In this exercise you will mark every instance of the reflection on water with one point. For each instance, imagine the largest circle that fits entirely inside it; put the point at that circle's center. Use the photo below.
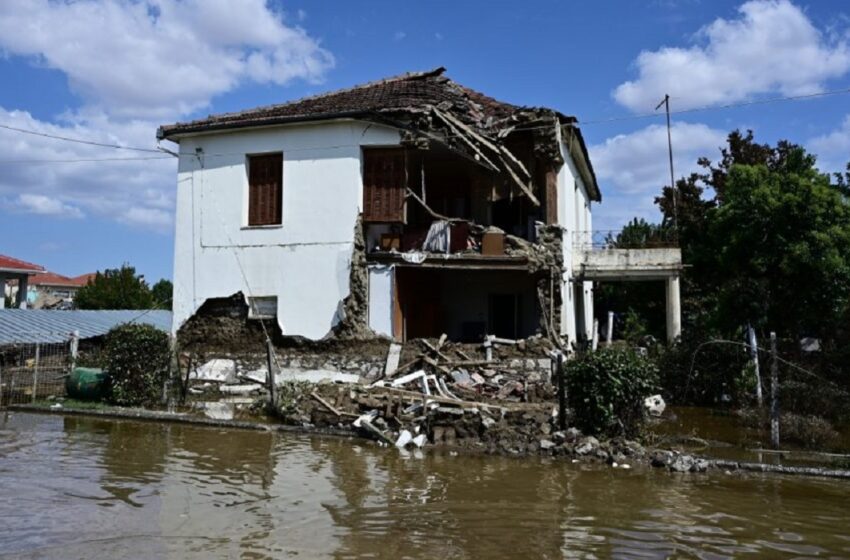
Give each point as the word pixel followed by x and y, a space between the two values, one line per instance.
pixel 86 488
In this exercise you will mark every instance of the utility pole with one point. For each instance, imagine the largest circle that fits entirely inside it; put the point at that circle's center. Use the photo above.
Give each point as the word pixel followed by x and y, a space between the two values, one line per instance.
pixel 666 103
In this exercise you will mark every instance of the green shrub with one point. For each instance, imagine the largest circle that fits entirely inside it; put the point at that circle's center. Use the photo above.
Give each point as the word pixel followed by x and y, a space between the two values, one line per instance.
pixel 696 372
pixel 606 390
pixel 137 358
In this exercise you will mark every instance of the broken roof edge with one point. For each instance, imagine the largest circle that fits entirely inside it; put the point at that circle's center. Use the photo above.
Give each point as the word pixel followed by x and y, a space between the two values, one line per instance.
pixel 585 167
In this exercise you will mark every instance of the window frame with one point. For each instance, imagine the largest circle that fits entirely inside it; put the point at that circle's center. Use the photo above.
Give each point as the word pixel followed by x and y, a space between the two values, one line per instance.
pixel 386 199
pixel 247 198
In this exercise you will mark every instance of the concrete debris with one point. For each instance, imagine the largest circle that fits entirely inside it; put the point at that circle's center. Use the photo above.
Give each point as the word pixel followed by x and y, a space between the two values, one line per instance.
pixel 655 405
pixel 218 410
pixel 243 389
pixel 404 438
pixel 220 370
pixel 295 374
pixel 393 358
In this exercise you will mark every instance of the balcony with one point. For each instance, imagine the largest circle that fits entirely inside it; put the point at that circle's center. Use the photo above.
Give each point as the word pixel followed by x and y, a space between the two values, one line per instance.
pixel 614 255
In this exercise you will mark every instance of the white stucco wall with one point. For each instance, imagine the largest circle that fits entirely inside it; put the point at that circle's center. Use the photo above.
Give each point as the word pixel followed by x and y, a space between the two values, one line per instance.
pixel 305 261
pixel 381 295
pixel 574 215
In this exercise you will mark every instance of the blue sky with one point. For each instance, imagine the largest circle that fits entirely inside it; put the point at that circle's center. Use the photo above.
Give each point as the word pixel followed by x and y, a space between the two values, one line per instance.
pixel 112 71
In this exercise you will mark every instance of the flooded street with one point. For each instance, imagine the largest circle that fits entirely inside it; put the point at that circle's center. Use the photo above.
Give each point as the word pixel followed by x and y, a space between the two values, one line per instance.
pixel 75 487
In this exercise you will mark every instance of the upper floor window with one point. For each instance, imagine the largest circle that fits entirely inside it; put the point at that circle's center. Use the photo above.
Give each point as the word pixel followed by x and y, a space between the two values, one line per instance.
pixel 265 189
pixel 384 178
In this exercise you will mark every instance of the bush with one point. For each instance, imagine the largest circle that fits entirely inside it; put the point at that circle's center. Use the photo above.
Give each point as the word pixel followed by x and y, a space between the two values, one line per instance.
pixel 137 358
pixel 606 390
pixel 696 373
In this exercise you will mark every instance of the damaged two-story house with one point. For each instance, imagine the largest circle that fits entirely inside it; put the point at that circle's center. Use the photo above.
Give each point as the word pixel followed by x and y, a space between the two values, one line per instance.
pixel 407 207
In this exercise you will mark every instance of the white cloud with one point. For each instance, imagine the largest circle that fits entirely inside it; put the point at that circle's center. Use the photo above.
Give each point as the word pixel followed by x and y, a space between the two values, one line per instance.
pixel 44 205
pixel 102 188
pixel 135 64
pixel 160 57
pixel 399 35
pixel 771 47
pixel 832 149
pixel 632 168
pixel 147 217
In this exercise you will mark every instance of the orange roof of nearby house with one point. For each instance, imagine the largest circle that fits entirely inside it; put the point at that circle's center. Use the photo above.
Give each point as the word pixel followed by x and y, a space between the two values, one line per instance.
pixel 53 279
pixel 10 264
pixel 84 279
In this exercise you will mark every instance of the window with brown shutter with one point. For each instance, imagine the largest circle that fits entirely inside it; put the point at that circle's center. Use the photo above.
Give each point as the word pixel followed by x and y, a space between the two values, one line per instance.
pixel 383 184
pixel 265 189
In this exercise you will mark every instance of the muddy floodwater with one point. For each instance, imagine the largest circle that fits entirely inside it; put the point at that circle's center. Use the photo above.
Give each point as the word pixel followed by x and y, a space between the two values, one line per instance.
pixel 76 487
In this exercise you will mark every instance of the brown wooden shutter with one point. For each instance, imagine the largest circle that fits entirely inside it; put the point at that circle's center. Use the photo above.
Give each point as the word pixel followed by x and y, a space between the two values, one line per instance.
pixel 265 189
pixel 383 184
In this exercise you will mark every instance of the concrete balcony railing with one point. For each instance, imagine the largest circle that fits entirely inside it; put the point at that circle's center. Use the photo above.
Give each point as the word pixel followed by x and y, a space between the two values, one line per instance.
pixel 623 239
pixel 611 255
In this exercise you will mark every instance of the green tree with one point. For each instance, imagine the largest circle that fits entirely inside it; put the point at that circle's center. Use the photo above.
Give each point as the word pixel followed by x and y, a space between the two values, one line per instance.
pixel 162 293
pixel 764 233
pixel 117 288
pixel 783 244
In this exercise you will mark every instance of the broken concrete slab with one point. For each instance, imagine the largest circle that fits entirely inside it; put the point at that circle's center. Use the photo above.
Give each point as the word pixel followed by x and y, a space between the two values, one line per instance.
pixel 297 374
pixel 219 369
pixel 218 410
pixel 242 389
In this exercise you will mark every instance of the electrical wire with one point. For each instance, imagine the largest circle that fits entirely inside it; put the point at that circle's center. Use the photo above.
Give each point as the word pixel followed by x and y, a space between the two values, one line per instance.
pixel 81 160
pixel 78 140
pixel 722 107
pixel 576 124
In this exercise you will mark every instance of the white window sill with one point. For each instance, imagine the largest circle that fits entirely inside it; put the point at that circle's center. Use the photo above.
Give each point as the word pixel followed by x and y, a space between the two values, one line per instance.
pixel 270 226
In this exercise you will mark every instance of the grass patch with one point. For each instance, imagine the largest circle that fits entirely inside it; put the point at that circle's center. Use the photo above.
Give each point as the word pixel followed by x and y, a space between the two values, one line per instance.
pixel 73 404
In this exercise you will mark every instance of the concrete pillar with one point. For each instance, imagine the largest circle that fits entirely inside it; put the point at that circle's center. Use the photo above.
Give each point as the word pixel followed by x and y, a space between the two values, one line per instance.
pixel 581 317
pixel 674 309
pixel 23 286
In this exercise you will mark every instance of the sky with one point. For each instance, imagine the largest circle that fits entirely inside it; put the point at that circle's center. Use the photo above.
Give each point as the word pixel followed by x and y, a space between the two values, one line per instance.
pixel 112 71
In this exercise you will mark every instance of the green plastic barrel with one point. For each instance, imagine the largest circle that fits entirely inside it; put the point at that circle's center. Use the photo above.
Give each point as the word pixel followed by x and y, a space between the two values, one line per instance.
pixel 86 384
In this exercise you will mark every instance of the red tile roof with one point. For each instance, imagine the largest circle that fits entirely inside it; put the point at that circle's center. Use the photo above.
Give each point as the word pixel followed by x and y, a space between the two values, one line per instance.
pixel 408 95
pixel 53 279
pixel 411 90
pixel 9 264
pixel 84 279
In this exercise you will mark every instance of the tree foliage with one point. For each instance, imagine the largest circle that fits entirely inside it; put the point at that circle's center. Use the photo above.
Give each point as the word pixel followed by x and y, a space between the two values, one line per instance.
pixel 122 288
pixel 162 293
pixel 767 237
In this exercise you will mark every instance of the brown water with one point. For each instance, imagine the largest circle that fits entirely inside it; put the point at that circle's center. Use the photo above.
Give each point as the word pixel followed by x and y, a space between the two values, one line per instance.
pixel 77 487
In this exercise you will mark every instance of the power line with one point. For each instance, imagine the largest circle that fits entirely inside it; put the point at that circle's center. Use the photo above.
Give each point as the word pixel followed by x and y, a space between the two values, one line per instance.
pixel 33 161
pixel 576 124
pixel 78 140
pixel 718 107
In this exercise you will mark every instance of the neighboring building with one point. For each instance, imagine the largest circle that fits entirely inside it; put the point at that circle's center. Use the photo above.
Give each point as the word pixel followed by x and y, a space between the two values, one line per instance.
pixel 51 290
pixel 412 205
pixel 14 279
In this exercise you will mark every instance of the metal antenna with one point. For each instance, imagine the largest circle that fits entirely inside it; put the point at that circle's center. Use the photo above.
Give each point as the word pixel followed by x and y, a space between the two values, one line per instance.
pixel 666 103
